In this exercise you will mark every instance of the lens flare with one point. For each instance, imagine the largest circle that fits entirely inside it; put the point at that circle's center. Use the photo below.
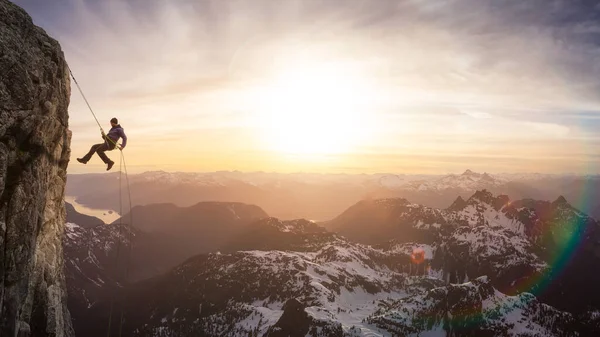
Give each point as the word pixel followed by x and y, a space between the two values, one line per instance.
pixel 561 231
pixel 417 256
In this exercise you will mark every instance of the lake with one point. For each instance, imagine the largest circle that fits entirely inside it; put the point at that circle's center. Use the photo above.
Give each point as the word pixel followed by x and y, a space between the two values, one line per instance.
pixel 108 216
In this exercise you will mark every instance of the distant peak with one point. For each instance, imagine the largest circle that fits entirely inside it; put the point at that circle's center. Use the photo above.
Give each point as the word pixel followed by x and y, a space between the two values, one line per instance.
pixel 297 226
pixel 392 202
pixel 458 204
pixel 560 200
pixel 468 173
pixel 487 197
pixel 483 195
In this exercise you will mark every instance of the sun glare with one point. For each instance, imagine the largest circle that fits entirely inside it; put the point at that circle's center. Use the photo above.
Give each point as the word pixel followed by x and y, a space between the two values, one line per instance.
pixel 316 109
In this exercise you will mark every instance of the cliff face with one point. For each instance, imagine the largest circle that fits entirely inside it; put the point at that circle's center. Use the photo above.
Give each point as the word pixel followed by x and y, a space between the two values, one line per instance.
pixel 34 153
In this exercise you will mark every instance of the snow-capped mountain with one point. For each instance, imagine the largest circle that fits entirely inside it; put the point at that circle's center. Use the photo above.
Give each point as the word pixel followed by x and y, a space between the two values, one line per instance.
pixel 441 191
pixel 374 219
pixel 492 235
pixel 468 181
pixel 92 267
pixel 332 280
pixel 164 235
pixel 234 294
pixel 282 278
pixel 474 308
pixel 285 196
pixel 321 197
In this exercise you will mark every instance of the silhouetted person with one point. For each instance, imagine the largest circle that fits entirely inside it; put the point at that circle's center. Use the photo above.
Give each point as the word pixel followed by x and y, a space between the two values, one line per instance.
pixel 110 142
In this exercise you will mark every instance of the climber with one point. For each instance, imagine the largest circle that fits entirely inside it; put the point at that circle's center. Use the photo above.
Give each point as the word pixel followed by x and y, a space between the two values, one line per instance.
pixel 110 142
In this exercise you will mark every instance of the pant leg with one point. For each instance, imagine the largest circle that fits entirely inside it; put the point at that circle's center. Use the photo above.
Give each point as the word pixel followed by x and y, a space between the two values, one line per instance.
pixel 93 149
pixel 101 149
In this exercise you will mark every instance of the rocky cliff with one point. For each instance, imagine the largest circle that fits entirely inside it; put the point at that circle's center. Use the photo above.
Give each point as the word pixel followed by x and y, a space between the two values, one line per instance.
pixel 34 153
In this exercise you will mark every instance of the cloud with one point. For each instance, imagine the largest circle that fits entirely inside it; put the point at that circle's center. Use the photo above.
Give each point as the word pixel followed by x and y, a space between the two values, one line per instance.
pixel 489 53
pixel 172 91
pixel 461 70
pixel 477 114
pixel 553 130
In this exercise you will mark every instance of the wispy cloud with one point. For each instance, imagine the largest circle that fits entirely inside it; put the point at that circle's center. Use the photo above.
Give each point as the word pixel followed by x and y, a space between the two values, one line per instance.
pixel 465 71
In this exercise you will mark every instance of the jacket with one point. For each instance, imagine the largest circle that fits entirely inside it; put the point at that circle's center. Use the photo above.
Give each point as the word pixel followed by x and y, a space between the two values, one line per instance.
pixel 114 134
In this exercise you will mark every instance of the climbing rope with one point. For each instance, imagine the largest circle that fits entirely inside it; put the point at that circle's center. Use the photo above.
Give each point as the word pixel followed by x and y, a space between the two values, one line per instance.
pixel 85 99
pixel 91 110
pixel 129 239
pixel 122 166
pixel 120 224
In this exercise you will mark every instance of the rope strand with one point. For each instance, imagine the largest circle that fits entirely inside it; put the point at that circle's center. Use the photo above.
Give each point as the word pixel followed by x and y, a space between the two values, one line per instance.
pixel 129 239
pixel 120 225
pixel 85 99
pixel 118 253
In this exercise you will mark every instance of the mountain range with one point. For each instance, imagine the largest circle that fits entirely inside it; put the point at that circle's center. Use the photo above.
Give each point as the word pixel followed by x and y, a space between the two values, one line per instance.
pixel 321 197
pixel 485 266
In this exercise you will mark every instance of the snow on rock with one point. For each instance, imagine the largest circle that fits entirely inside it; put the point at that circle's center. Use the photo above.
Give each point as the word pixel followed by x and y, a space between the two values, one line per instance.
pixel 475 308
pixel 449 271
pixel 468 181
pixel 294 226
pixel 90 270
pixel 408 248
pixel 349 289
pixel 498 252
pixel 338 286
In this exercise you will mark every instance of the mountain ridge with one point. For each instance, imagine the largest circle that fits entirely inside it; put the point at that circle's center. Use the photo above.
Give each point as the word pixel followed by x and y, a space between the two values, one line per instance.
pixel 321 197
pixel 331 284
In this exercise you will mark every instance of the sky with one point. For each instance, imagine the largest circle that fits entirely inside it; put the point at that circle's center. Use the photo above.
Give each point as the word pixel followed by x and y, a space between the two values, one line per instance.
pixel 359 86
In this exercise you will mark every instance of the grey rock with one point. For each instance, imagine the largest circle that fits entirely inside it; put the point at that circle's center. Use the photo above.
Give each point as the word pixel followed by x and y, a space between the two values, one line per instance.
pixel 34 154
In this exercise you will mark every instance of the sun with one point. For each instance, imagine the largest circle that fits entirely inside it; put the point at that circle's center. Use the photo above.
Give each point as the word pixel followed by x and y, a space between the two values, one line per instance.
pixel 314 109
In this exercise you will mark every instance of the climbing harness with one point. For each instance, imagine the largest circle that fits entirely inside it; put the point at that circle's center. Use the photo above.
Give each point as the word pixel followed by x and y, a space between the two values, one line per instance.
pixel 122 166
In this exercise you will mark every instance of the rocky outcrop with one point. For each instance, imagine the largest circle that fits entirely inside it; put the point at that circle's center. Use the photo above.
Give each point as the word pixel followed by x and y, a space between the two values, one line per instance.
pixel 34 153
pixel 295 322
